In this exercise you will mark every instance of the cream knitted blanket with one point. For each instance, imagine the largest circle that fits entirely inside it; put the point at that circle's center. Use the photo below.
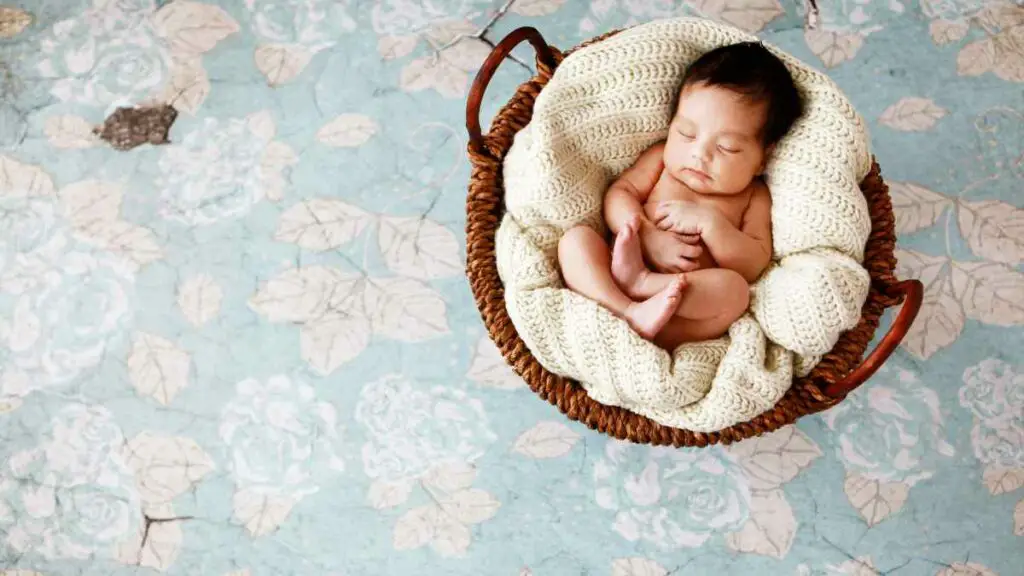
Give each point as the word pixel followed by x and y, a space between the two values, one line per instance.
pixel 607 103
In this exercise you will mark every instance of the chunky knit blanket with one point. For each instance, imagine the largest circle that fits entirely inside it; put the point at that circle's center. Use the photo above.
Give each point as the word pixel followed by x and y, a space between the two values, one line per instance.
pixel 607 103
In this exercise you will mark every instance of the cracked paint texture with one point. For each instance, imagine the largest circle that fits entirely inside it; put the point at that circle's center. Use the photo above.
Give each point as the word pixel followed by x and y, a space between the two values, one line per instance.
pixel 252 350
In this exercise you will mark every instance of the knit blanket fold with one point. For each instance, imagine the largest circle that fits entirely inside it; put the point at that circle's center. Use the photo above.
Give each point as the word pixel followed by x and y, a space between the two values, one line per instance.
pixel 607 103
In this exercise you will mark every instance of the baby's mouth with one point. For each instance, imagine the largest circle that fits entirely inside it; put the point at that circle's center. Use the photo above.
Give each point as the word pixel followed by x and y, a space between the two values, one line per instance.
pixel 698 173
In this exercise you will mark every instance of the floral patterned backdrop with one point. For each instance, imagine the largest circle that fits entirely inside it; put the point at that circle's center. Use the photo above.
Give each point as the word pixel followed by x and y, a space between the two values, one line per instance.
pixel 252 351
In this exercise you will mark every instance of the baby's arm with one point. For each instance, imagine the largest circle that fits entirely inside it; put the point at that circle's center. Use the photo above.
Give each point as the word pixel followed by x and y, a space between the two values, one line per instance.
pixel 747 249
pixel 664 251
pixel 624 199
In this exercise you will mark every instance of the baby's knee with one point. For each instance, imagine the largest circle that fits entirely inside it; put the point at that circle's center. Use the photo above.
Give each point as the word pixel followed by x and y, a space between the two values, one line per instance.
pixel 576 239
pixel 735 291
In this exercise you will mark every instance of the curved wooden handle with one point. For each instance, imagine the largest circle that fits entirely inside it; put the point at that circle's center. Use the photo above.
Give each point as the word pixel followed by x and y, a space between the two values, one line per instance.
pixel 913 293
pixel 483 77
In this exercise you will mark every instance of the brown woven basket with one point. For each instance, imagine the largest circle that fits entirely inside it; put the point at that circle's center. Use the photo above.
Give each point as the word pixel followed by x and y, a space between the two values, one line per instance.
pixel 835 376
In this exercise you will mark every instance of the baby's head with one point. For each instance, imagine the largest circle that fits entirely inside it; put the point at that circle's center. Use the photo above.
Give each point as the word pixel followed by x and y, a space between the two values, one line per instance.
pixel 735 103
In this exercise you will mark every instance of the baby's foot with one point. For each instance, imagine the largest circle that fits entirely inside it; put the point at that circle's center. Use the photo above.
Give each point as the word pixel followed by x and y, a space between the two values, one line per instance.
pixel 651 315
pixel 628 267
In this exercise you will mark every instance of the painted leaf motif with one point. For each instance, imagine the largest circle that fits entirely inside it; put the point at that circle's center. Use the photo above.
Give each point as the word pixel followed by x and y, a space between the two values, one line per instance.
pixel 1009 55
pixel 947 31
pixel 70 132
pixel 136 244
pixel 261 124
pixel 770 529
pixel 916 207
pixel 416 527
pixel 1018 519
pixel 776 458
pixel 276 158
pixel 384 495
pixel 976 58
pixel 990 292
pixel 546 440
pixel 419 248
pixel 912 114
pixel 13 21
pixel 405 309
pixel 347 131
pixel 993 229
pixel 392 47
pixel 91 203
pixel 332 340
pixel 926 268
pixel 261 513
pixel 451 538
pixel 637 567
pixel 433 72
pixel 18 180
pixel 536 8
pixel 199 299
pixel 471 506
pixel 192 27
pixel 862 566
pixel 940 321
pixel 322 224
pixel 450 478
pixel 162 541
pixel 189 84
pixel 1003 480
pixel 158 368
pixel 833 48
pixel 303 294
pixel 749 15
pixel 165 466
pixel 488 367
pixel 969 569
pixel 875 500
pixel 281 63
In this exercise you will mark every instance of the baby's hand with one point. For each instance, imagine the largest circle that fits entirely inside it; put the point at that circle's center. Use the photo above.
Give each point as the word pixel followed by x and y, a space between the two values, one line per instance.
pixel 682 217
pixel 669 253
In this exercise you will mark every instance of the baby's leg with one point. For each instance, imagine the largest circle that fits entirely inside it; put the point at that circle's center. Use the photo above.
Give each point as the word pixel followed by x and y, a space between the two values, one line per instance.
pixel 585 262
pixel 713 300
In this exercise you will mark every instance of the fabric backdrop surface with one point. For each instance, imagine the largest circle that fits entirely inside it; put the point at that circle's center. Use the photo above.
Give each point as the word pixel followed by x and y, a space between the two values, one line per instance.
pixel 252 351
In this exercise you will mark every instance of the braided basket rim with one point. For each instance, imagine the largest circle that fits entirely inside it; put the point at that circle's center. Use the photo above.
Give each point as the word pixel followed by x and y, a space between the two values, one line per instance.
pixel 483 215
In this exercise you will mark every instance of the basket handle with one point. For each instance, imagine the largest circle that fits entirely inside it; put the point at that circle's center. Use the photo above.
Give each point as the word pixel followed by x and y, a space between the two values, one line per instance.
pixel 487 70
pixel 912 291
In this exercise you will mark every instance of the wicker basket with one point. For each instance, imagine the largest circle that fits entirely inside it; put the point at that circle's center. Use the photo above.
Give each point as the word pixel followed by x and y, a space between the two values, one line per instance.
pixel 841 370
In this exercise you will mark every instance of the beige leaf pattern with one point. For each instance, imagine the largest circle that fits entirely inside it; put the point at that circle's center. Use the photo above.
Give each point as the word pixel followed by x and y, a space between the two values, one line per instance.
pixel 875 500
pixel 940 321
pixel 976 58
pixel 771 527
pixel 912 114
pixel 1018 519
pixel 947 31
pixel 916 207
pixel 993 229
pixel 990 292
pixel 13 21
pixel 281 63
pixel 771 460
pixel 1000 480
pixel 966 569
pixel 833 48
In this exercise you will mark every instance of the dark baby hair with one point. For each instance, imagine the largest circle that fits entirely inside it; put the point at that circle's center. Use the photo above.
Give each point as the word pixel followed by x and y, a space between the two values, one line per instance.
pixel 750 69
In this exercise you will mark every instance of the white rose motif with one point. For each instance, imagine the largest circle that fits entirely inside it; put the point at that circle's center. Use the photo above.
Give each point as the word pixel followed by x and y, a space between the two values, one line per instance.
pixel 412 430
pixel 219 171
pixel 66 305
pixel 890 430
pixel 26 224
pixel 111 56
pixel 312 24
pixel 73 496
pixel 280 439
pixel 405 17
pixel 671 498
pixel 994 393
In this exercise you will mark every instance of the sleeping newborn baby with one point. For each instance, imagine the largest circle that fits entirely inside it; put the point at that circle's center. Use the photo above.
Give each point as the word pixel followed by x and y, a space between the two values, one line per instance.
pixel 693 208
